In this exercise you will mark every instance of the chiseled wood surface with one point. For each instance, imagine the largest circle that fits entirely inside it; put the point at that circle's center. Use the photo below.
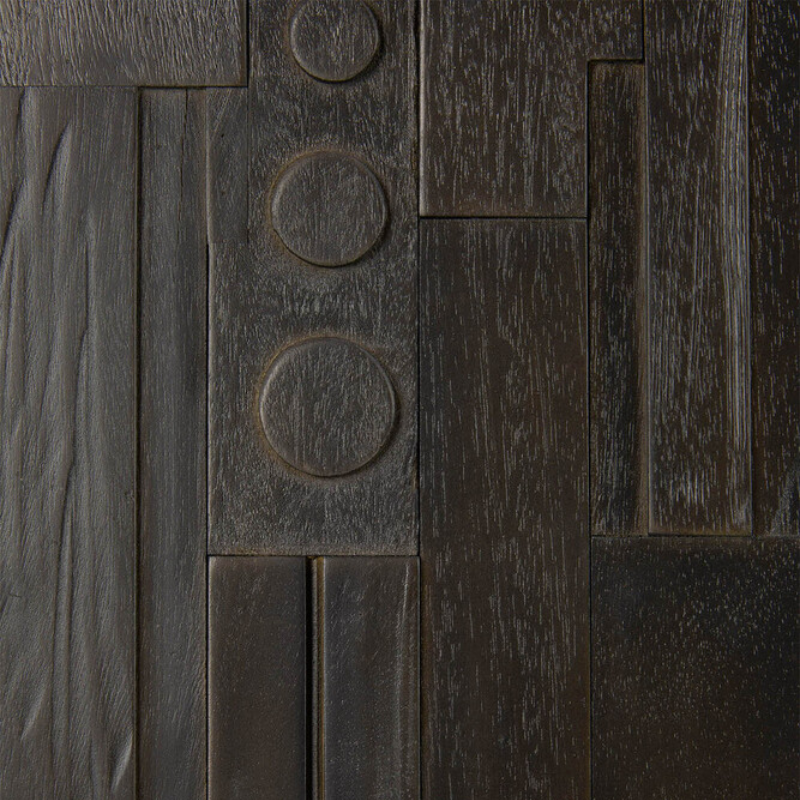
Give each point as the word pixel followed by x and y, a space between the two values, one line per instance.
pixel 774 33
pixel 617 300
pixel 699 348
pixel 696 646
pixel 67 460
pixel 258 719
pixel 122 42
pixel 172 598
pixel 503 102
pixel 504 510
pixel 368 622
pixel 265 299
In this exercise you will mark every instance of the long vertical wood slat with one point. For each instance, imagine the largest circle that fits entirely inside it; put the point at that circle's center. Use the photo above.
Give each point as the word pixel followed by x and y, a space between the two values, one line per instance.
pixel 172 447
pixel 504 510
pixel 67 461
pixel 258 709
pixel 699 289
pixel 368 623
pixel 617 300
pixel 775 264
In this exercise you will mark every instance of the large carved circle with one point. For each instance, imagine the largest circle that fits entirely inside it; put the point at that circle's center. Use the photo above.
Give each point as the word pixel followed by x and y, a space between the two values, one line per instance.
pixel 334 40
pixel 329 209
pixel 327 406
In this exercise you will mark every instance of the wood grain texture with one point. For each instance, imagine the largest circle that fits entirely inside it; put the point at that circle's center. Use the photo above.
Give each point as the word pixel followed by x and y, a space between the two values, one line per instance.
pixel 503 102
pixel 122 43
pixel 775 264
pixel 264 299
pixel 67 419
pixel 504 510
pixel 618 300
pixel 696 651
pixel 699 361
pixel 172 464
pixel 257 679
pixel 369 678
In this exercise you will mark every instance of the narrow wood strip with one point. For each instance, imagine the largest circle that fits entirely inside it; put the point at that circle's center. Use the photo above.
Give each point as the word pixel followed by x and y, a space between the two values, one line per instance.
pixel 504 510
pixel 775 264
pixel 699 274
pixel 257 679
pixel 172 464
pixel 122 43
pixel 369 678
pixel 618 300
pixel 67 419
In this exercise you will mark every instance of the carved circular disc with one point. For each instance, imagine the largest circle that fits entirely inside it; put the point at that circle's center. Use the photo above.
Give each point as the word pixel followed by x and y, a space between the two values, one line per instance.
pixel 329 209
pixel 327 406
pixel 334 40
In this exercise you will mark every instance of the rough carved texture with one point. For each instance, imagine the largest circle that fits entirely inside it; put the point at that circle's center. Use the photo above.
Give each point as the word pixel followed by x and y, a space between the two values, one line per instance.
pixel 504 489
pixel 67 417
pixel 122 42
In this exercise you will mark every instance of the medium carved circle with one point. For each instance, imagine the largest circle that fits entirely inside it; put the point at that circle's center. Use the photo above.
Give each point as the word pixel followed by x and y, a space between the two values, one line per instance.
pixel 329 209
pixel 327 406
pixel 334 40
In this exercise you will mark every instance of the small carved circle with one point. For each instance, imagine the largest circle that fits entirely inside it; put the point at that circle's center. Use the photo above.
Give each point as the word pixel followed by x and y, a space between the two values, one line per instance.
pixel 327 406
pixel 334 40
pixel 329 209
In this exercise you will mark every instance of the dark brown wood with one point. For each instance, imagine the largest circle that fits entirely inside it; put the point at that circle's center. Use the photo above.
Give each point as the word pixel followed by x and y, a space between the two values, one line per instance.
pixel 618 300
pixel 775 264
pixel 257 679
pixel 699 366
pixel 67 459
pixel 369 678
pixel 503 102
pixel 265 299
pixel 172 450
pixel 122 43
pixel 696 646
pixel 504 511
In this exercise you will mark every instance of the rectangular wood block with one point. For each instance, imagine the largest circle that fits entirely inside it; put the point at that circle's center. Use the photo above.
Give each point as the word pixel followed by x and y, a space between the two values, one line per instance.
pixel 68 454
pixel 618 300
pixel 368 622
pixel 699 287
pixel 775 264
pixel 503 102
pixel 258 694
pixel 696 650
pixel 173 598
pixel 504 510
pixel 122 42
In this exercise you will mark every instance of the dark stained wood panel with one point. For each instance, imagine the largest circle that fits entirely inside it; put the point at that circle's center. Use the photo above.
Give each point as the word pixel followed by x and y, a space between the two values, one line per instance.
pixel 172 431
pixel 369 678
pixel 618 300
pixel 122 43
pixel 312 144
pixel 67 461
pixel 504 510
pixel 503 102
pixel 696 652
pixel 775 263
pixel 699 362
pixel 258 710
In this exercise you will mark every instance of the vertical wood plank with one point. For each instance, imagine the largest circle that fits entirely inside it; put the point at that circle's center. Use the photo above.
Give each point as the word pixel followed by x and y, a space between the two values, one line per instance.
pixel 699 278
pixel 775 264
pixel 257 679
pixel 369 684
pixel 695 652
pixel 172 434
pixel 618 300
pixel 67 415
pixel 504 510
